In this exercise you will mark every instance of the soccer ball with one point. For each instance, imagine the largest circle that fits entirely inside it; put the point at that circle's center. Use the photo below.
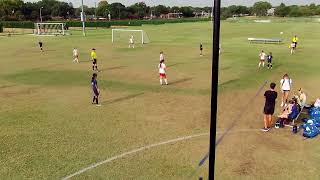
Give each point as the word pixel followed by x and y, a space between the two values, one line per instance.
pixel 281 32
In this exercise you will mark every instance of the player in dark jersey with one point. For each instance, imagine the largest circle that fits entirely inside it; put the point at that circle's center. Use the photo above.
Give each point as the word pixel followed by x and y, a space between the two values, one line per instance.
pixel 268 110
pixel 95 89
pixel 269 59
pixel 201 49
pixel 41 45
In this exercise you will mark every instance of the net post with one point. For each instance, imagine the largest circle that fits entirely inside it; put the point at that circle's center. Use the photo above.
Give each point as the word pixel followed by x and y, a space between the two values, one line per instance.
pixel 62 28
pixel 142 38
pixel 214 86
pixel 112 35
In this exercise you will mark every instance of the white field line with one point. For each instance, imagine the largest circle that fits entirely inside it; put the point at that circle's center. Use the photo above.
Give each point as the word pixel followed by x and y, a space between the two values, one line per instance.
pixel 147 147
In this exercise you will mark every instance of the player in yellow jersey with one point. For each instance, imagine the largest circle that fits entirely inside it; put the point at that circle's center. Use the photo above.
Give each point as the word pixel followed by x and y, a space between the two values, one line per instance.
pixel 295 41
pixel 94 59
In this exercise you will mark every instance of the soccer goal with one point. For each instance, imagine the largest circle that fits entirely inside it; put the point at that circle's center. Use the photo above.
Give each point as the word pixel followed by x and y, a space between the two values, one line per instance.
pixel 123 35
pixel 50 29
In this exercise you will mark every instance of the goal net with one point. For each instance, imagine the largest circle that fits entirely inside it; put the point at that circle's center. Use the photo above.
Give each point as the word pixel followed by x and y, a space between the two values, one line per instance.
pixel 123 35
pixel 50 28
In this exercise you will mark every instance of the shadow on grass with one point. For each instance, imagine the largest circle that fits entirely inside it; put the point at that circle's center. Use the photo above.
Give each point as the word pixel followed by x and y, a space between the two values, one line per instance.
pixel 85 61
pixel 225 68
pixel 6 86
pixel 131 96
pixel 276 66
pixel 229 82
pixel 180 81
pixel 113 68
pixel 175 64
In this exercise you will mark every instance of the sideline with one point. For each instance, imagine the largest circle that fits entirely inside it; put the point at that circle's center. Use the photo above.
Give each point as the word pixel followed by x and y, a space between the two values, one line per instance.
pixel 134 151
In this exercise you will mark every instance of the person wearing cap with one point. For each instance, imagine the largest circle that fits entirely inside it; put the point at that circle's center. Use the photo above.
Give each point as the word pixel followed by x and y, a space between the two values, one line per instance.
pixel 94 59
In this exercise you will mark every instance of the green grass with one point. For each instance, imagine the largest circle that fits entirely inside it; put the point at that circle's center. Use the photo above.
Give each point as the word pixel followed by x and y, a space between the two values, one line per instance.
pixel 50 129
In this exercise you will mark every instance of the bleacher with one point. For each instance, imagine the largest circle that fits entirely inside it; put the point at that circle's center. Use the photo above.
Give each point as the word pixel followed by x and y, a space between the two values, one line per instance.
pixel 264 40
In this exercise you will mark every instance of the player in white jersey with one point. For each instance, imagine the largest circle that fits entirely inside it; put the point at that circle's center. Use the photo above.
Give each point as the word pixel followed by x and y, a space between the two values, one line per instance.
pixel 262 58
pixel 162 71
pixel 75 53
pixel 161 56
pixel 292 47
pixel 131 42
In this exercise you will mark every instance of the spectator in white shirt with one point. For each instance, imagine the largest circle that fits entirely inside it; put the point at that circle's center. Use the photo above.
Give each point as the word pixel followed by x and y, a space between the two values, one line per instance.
pixel 286 84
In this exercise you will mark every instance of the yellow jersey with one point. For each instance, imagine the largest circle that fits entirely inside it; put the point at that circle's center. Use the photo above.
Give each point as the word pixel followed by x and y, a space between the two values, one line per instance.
pixel 295 39
pixel 93 55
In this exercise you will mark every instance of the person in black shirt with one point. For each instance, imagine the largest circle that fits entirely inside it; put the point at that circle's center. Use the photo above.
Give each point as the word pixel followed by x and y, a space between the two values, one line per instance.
pixel 95 89
pixel 270 97
pixel 269 58
pixel 201 49
pixel 40 45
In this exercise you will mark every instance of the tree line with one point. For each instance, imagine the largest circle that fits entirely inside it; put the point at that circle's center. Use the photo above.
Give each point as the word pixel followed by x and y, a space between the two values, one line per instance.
pixel 261 9
pixel 18 10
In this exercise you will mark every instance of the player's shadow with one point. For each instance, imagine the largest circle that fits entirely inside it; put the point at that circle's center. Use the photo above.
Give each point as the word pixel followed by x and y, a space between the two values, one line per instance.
pixel 225 68
pixel 49 50
pixel 229 82
pixel 113 68
pixel 85 61
pixel 180 81
pixel 131 96
pixel 175 64
pixel 276 66
pixel 6 86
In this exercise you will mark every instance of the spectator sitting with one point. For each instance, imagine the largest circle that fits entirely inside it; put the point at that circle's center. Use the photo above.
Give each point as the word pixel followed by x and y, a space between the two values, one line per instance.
pixel 287 110
pixel 290 112
pixel 301 98
pixel 317 103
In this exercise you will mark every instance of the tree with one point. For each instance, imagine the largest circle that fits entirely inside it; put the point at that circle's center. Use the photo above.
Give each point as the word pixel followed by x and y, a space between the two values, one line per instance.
pixel 117 10
pixel 140 9
pixel 187 11
pixel 261 8
pixel 295 11
pixel 282 10
pixel 102 9
pixel 160 9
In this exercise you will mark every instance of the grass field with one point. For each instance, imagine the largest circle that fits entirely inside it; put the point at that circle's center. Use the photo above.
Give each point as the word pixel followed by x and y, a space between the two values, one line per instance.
pixel 50 129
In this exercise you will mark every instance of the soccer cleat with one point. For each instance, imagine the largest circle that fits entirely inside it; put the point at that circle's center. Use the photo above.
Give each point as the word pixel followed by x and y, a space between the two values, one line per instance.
pixel 98 105
pixel 265 129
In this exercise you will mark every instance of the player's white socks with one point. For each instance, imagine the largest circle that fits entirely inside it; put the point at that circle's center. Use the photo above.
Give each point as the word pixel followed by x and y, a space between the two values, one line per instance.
pixel 160 81
pixel 263 64
pixel 166 81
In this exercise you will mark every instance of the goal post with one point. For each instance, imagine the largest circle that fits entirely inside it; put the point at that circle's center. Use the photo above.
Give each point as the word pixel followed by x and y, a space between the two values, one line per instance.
pixel 123 35
pixel 50 29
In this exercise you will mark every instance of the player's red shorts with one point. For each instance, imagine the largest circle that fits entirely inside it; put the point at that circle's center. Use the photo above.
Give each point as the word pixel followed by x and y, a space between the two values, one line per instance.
pixel 162 75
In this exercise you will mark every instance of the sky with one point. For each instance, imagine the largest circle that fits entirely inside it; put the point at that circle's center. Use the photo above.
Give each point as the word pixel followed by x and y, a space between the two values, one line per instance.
pixel 198 3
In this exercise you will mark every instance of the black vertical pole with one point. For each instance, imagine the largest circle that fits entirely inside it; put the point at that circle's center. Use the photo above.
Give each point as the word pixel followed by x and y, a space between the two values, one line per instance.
pixel 214 86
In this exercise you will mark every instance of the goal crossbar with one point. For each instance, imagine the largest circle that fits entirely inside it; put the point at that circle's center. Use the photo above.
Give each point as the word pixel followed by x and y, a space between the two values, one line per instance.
pixel 41 28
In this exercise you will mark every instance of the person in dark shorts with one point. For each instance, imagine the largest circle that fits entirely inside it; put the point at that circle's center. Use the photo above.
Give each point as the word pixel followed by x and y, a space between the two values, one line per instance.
pixel 41 45
pixel 269 60
pixel 94 59
pixel 270 102
pixel 95 89
pixel 201 49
